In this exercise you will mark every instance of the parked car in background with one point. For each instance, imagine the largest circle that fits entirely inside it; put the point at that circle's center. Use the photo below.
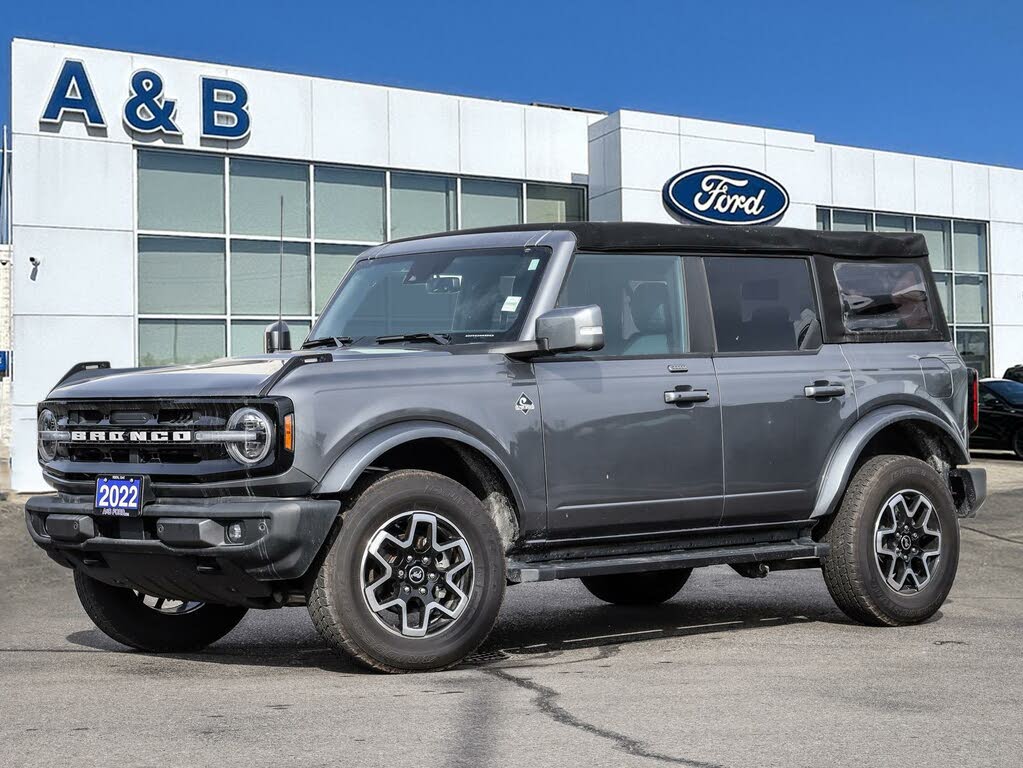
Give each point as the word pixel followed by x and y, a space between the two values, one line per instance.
pixel 1015 373
pixel 1001 416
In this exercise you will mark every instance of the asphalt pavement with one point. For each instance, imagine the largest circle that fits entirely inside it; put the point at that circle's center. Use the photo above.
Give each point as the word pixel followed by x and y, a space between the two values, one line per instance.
pixel 731 672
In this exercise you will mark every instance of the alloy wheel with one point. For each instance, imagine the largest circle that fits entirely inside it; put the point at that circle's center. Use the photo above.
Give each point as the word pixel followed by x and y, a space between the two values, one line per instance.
pixel 417 574
pixel 168 606
pixel 907 541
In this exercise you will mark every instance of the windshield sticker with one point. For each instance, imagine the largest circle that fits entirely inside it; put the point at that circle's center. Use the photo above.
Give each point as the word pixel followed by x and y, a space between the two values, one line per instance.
pixel 511 304
pixel 533 265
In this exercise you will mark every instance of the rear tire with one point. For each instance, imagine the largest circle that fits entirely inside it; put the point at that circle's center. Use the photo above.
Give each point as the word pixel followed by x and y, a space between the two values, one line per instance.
pixel 414 579
pixel 648 588
pixel 129 618
pixel 1017 444
pixel 894 543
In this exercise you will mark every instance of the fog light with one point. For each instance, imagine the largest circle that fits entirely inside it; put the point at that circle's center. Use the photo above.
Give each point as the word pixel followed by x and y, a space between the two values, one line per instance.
pixel 236 533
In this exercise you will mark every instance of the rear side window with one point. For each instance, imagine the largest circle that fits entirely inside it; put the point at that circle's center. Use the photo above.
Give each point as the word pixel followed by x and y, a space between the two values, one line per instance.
pixel 883 297
pixel 762 304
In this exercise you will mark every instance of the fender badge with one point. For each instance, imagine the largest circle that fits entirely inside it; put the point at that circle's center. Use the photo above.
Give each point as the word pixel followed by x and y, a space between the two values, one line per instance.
pixel 524 404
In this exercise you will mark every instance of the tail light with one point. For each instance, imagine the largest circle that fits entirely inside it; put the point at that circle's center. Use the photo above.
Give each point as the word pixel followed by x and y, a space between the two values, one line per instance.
pixel 973 412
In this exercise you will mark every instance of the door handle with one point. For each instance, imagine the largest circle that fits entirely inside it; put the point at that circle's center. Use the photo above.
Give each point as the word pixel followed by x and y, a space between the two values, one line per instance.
pixel 824 390
pixel 681 397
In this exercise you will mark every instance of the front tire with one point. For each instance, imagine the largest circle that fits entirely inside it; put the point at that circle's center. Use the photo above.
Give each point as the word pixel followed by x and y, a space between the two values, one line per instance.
pixel 156 625
pixel 1017 444
pixel 649 588
pixel 415 577
pixel 894 543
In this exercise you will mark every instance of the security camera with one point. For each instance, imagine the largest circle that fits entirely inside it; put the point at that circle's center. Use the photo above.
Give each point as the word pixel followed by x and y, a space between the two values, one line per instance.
pixel 35 261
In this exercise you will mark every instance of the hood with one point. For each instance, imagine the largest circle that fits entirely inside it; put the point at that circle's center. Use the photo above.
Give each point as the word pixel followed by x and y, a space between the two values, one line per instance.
pixel 229 377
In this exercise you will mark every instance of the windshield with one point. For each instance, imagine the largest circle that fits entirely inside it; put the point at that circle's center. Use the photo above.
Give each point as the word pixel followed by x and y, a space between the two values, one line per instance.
pixel 466 296
pixel 1011 391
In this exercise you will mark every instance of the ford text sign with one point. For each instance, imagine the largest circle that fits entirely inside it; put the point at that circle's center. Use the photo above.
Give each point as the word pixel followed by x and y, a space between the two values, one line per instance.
pixel 723 194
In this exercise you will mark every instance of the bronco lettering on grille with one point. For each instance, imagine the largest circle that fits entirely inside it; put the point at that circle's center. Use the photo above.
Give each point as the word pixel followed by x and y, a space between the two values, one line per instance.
pixel 133 436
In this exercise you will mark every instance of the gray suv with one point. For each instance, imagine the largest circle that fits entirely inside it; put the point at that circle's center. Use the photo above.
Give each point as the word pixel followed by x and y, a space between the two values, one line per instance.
pixel 618 403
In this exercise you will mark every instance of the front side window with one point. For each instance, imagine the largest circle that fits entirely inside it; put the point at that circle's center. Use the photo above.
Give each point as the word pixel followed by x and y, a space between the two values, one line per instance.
pixel 641 299
pixel 883 297
pixel 762 304
pixel 469 296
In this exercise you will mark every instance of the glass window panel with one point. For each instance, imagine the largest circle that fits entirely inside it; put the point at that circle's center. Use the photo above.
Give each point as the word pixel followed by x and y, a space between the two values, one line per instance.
pixel 969 243
pixel 551 203
pixel 490 203
pixel 166 342
pixel 971 299
pixel 332 263
pixel 181 275
pixel 883 297
pixel 937 233
pixel 975 346
pixel 247 335
pixel 850 221
pixel 641 298
pixel 762 304
pixel 943 281
pixel 823 219
pixel 256 190
pixel 349 204
pixel 421 204
pixel 255 287
pixel 181 192
pixel 886 222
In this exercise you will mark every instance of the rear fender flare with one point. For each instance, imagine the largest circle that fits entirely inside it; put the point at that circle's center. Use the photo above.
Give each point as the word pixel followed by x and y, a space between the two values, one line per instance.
pixel 844 457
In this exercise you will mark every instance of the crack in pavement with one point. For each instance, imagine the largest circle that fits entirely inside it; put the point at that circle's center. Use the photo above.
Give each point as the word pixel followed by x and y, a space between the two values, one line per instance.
pixel 545 702
pixel 992 535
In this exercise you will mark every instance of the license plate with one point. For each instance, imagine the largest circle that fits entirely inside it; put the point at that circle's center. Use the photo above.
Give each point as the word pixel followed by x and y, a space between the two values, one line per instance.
pixel 119 495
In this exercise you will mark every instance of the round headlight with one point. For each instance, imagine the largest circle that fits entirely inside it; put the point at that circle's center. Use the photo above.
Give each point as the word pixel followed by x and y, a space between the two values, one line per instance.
pixel 255 447
pixel 47 426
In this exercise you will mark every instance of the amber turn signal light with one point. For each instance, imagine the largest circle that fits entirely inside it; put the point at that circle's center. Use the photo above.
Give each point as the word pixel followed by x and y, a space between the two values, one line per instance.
pixel 289 432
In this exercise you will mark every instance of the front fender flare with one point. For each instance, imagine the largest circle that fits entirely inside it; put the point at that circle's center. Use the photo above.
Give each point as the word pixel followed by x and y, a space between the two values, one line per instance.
pixel 349 465
pixel 843 458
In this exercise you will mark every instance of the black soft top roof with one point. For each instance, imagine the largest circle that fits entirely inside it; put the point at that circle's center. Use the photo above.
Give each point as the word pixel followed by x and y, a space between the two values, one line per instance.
pixel 640 236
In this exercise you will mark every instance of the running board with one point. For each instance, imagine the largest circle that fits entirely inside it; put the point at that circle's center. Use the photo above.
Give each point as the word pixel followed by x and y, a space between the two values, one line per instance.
pixel 549 570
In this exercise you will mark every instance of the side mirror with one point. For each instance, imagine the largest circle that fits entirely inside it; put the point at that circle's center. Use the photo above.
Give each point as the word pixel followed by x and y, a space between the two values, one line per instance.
pixel 571 329
pixel 277 337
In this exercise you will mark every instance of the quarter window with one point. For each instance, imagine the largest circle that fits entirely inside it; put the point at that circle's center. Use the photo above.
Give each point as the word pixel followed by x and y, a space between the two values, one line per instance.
pixel 762 304
pixel 883 297
pixel 641 299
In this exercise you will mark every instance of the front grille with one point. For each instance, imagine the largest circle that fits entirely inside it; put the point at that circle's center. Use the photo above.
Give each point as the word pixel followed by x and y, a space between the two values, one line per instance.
pixel 174 462
pixel 144 416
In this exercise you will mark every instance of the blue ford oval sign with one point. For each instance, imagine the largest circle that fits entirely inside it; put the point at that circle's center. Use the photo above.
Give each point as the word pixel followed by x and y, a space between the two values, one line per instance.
pixel 724 194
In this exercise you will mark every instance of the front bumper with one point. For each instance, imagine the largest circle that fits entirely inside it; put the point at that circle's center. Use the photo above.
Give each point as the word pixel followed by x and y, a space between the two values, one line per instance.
pixel 178 548
pixel 969 486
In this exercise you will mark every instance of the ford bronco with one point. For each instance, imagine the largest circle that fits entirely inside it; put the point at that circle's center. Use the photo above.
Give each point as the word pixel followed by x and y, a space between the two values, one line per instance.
pixel 614 402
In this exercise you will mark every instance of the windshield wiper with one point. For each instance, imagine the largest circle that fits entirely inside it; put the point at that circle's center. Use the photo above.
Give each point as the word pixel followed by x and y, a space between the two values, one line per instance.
pixel 436 338
pixel 337 341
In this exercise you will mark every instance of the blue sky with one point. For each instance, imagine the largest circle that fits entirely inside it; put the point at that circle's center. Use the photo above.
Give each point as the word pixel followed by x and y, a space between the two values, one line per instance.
pixel 935 78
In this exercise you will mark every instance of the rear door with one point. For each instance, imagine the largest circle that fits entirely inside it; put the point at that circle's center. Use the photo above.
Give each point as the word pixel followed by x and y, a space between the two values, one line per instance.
pixel 785 397
pixel 632 433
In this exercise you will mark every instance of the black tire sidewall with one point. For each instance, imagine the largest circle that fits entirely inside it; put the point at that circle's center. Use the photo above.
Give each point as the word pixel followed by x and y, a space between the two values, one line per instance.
pixel 908 474
pixel 120 614
pixel 395 494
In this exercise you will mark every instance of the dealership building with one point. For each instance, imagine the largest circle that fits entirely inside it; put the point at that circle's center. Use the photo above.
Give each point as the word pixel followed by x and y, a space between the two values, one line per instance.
pixel 145 202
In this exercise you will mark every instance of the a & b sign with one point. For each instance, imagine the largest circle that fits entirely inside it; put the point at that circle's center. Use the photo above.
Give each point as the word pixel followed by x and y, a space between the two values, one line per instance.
pixel 224 115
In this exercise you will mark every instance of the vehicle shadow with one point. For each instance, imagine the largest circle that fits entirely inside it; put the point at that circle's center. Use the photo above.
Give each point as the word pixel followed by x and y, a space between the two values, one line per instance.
pixel 524 635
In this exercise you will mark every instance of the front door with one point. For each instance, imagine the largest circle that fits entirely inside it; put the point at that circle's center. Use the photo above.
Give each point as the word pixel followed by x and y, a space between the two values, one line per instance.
pixel 785 397
pixel 632 433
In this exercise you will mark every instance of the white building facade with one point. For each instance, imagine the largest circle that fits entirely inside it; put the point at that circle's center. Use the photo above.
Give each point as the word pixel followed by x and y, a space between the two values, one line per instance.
pixel 146 202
